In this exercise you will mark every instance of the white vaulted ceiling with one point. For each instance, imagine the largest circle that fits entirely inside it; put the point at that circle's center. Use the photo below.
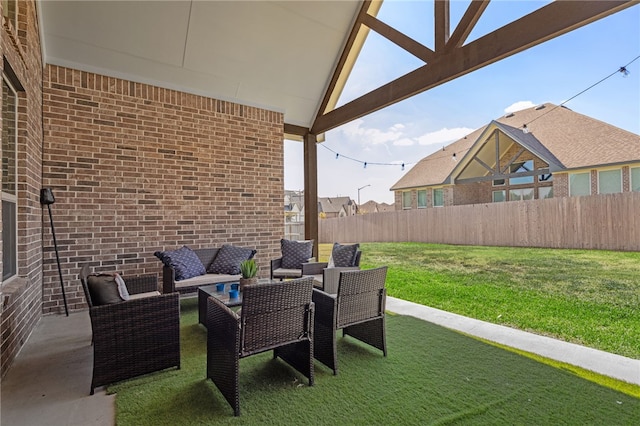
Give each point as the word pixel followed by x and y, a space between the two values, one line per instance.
pixel 278 55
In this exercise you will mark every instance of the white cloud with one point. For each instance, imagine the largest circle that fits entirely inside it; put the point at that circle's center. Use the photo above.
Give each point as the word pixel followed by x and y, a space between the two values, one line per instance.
pixel 372 136
pixel 404 142
pixel 444 135
pixel 518 106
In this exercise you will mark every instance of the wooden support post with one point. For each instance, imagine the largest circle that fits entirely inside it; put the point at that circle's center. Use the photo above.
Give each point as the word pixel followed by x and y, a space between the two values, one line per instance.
pixel 311 190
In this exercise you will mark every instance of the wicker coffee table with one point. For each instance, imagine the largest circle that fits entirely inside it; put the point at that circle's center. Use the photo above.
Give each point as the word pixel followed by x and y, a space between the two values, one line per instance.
pixel 207 291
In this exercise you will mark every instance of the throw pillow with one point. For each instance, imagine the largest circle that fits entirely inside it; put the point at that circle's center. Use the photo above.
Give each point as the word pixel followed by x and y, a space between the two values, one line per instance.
pixel 295 253
pixel 104 289
pixel 343 255
pixel 184 261
pixel 228 259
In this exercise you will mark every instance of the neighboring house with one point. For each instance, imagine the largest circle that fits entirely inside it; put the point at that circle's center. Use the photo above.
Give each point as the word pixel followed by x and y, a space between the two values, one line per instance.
pixel 293 215
pixel 293 206
pixel 336 207
pixel 541 152
pixel 374 207
pixel 384 207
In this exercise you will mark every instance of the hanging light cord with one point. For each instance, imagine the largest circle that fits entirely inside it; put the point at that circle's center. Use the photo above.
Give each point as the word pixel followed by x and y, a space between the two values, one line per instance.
pixel 623 70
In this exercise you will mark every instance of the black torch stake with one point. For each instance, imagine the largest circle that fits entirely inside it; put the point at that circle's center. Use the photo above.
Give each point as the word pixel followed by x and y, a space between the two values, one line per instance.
pixel 46 197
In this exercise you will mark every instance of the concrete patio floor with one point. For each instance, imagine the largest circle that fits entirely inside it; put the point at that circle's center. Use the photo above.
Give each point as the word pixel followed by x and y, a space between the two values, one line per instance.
pixel 49 381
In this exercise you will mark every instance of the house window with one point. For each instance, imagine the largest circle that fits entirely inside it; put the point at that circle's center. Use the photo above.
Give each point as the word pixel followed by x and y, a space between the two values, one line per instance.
pixel 438 197
pixel 545 192
pixel 545 178
pixel 9 179
pixel 422 198
pixel 499 196
pixel 406 199
pixel 521 194
pixel 579 184
pixel 498 182
pixel 635 179
pixel 521 167
pixel 609 181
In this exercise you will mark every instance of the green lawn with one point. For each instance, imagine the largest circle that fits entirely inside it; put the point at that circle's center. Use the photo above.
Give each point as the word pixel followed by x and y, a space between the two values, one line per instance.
pixel 589 297
pixel 431 375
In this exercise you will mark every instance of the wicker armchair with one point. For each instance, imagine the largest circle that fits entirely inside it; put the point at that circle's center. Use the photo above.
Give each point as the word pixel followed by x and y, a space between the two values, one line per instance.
pixel 276 316
pixel 326 278
pixel 134 337
pixel 316 268
pixel 279 271
pixel 357 309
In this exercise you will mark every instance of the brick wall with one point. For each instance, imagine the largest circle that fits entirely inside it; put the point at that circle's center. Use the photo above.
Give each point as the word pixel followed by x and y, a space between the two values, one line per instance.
pixel 21 296
pixel 137 168
pixel 560 185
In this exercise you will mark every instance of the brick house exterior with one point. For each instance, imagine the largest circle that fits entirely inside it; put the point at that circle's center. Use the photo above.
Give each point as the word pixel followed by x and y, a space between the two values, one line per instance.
pixel 21 296
pixel 134 168
pixel 502 162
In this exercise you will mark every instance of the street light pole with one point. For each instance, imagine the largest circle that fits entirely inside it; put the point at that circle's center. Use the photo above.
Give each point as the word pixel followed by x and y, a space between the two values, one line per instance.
pixel 362 187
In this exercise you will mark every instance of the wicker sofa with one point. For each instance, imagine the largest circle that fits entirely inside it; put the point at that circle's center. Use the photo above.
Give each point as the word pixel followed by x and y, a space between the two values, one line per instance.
pixel 190 285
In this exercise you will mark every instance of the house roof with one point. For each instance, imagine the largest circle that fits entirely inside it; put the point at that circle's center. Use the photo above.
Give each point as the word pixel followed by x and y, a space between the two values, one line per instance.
pixel 375 207
pixel 332 204
pixel 561 137
pixel 278 55
pixel 384 207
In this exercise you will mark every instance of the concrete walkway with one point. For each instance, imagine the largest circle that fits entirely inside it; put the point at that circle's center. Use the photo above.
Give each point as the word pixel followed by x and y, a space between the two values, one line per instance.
pixel 616 366
pixel 48 384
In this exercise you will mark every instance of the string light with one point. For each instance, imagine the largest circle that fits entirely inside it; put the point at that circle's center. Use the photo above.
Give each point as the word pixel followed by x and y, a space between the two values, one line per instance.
pixel 623 70
pixel 525 129
pixel 364 163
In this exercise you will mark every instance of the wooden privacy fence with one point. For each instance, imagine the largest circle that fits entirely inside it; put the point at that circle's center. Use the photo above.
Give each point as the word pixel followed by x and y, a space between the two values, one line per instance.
pixel 610 222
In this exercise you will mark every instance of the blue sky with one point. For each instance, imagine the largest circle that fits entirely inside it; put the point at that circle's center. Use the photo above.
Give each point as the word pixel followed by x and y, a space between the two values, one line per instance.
pixel 405 132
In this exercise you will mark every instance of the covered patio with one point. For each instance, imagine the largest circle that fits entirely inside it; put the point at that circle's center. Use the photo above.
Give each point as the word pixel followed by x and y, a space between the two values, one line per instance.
pixel 161 124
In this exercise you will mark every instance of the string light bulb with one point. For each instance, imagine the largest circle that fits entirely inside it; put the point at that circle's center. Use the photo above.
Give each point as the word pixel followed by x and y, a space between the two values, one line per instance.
pixel 337 155
pixel 365 164
pixel 454 158
pixel 624 71
pixel 403 166
pixel 525 129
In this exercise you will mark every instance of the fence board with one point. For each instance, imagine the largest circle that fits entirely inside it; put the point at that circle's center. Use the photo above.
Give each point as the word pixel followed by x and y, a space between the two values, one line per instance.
pixel 609 222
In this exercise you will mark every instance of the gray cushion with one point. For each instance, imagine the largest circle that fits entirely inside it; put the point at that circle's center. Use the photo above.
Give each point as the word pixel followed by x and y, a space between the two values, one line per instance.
pixel 343 255
pixel 295 253
pixel 103 289
pixel 184 261
pixel 228 259
pixel 287 273
pixel 206 279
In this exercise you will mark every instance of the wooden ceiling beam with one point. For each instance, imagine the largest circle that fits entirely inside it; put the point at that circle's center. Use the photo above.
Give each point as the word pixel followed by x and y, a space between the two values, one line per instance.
pixel 407 43
pixel 466 24
pixel 345 61
pixel 549 21
pixel 441 23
